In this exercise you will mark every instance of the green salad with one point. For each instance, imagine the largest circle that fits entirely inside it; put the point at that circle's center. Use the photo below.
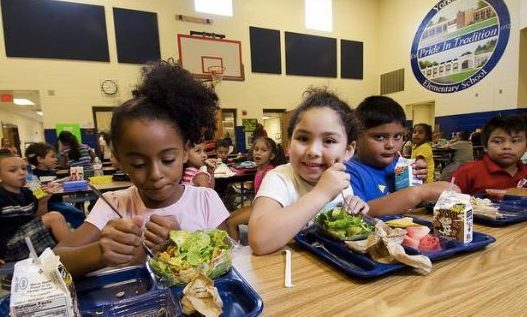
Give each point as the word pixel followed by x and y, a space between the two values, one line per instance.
pixel 343 226
pixel 186 252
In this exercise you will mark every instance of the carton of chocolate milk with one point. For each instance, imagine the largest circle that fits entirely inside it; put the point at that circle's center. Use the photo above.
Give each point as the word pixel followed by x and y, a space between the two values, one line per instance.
pixel 453 216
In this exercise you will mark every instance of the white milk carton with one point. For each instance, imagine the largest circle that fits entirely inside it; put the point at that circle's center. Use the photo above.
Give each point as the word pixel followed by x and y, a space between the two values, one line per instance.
pixel 404 175
pixel 42 289
pixel 453 216
pixel 76 173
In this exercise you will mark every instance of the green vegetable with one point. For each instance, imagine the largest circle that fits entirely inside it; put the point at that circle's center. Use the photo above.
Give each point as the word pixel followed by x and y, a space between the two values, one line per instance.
pixel 338 223
pixel 209 252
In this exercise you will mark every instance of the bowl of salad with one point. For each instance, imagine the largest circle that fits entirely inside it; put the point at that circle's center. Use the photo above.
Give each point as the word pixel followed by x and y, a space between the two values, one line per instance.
pixel 339 224
pixel 186 253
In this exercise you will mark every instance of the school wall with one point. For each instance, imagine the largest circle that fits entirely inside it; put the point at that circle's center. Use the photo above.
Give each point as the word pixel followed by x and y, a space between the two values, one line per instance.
pixel 29 130
pixel 523 14
pixel 69 89
pixel 497 91
pixel 522 78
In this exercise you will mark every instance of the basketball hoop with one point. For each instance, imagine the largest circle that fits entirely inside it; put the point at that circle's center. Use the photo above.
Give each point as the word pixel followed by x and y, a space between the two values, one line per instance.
pixel 216 74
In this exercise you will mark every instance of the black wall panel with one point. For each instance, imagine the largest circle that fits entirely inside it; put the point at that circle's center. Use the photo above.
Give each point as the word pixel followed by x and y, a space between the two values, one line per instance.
pixel 265 51
pixel 54 29
pixel 351 59
pixel 136 36
pixel 310 55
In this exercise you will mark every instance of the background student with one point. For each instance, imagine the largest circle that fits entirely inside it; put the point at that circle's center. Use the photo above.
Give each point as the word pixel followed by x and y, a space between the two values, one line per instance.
pixel 151 134
pixel 422 149
pixel 372 168
pixel 266 155
pixel 193 173
pixel 74 153
pixel 504 140
pixel 323 134
pixel 464 153
pixel 22 215
pixel 44 159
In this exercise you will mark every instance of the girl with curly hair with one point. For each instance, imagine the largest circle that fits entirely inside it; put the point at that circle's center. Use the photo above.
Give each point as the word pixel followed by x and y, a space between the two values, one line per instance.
pixel 151 136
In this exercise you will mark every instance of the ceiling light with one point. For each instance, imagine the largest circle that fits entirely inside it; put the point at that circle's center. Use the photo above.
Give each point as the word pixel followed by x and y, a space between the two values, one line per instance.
pixel 23 102
pixel 266 117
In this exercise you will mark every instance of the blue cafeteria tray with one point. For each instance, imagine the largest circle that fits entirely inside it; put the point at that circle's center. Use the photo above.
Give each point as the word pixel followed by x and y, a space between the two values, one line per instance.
pixel 97 292
pixel 514 209
pixel 353 264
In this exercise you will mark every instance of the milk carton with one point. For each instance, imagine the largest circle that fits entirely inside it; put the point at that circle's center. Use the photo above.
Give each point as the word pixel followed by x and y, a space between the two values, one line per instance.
pixel 76 173
pixel 404 176
pixel 453 216
pixel 42 288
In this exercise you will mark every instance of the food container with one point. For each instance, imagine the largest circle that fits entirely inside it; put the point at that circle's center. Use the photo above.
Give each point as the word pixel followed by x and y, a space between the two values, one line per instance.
pixel 102 179
pixel 186 253
pixel 340 225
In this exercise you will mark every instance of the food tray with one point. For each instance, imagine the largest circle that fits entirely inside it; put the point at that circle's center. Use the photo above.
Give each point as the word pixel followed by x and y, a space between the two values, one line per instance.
pixel 514 209
pixel 357 265
pixel 97 293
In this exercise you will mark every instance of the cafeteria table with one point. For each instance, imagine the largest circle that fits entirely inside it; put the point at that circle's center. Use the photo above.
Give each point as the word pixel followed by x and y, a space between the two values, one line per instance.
pixel 488 282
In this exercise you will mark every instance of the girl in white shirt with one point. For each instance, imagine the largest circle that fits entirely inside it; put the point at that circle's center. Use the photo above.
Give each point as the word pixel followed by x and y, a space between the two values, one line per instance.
pixel 323 132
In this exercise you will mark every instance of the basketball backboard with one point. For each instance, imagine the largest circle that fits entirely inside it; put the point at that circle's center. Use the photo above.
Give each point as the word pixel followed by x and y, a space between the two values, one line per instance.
pixel 201 55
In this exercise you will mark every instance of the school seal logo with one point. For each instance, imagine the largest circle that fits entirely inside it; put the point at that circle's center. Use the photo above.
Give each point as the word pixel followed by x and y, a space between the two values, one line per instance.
pixel 458 43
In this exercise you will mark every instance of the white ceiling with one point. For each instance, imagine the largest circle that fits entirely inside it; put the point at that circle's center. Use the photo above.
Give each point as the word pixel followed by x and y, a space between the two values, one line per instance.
pixel 25 111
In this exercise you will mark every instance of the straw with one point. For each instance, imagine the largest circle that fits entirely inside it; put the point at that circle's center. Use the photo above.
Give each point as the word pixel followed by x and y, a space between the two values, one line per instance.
pixel 287 277
pixel 452 183
pixel 32 251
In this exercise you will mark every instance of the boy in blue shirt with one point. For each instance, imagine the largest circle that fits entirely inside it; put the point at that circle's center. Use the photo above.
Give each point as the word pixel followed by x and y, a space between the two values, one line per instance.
pixel 372 167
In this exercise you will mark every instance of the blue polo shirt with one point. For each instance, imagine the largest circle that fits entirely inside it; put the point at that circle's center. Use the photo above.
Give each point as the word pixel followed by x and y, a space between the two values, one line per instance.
pixel 370 182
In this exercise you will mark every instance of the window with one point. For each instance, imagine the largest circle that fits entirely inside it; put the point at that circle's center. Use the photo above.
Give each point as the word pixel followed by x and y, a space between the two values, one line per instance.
pixel 319 15
pixel 219 7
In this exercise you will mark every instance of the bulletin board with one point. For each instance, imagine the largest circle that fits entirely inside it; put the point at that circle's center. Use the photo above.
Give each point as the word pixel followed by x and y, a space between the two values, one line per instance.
pixel 200 54
pixel 74 128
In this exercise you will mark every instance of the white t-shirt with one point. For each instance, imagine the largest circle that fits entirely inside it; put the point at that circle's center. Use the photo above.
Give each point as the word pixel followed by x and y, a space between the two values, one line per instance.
pixel 198 208
pixel 286 187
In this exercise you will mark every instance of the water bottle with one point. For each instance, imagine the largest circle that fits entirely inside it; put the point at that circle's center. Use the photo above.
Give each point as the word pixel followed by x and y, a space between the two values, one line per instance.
pixel 97 167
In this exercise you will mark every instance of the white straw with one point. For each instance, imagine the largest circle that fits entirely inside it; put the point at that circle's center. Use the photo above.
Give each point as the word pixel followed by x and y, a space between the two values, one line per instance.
pixel 287 280
pixel 32 251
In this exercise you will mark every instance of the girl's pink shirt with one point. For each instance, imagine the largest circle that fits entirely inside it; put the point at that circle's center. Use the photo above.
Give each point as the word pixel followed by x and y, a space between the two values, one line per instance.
pixel 258 178
pixel 198 208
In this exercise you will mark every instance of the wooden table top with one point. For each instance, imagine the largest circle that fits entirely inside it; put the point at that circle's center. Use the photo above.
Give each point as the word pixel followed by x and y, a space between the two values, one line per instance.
pixel 487 282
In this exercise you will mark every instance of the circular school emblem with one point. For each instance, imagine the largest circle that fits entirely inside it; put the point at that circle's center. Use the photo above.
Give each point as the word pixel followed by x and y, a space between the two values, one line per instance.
pixel 458 43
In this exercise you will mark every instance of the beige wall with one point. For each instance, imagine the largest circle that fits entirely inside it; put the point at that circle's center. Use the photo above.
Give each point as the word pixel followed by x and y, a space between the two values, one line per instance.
pixel 522 78
pixel 76 83
pixel 400 20
pixel 386 27
pixel 523 14
pixel 29 130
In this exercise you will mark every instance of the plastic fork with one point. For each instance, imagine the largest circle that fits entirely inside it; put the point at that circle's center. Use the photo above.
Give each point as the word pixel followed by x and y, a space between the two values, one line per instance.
pixel 101 196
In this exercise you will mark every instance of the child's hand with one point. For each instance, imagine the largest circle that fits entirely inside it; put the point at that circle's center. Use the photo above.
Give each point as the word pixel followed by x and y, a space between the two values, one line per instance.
pixel 157 229
pixel 211 165
pixel 121 242
pixel 432 191
pixel 333 180
pixel 357 205
pixel 420 169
